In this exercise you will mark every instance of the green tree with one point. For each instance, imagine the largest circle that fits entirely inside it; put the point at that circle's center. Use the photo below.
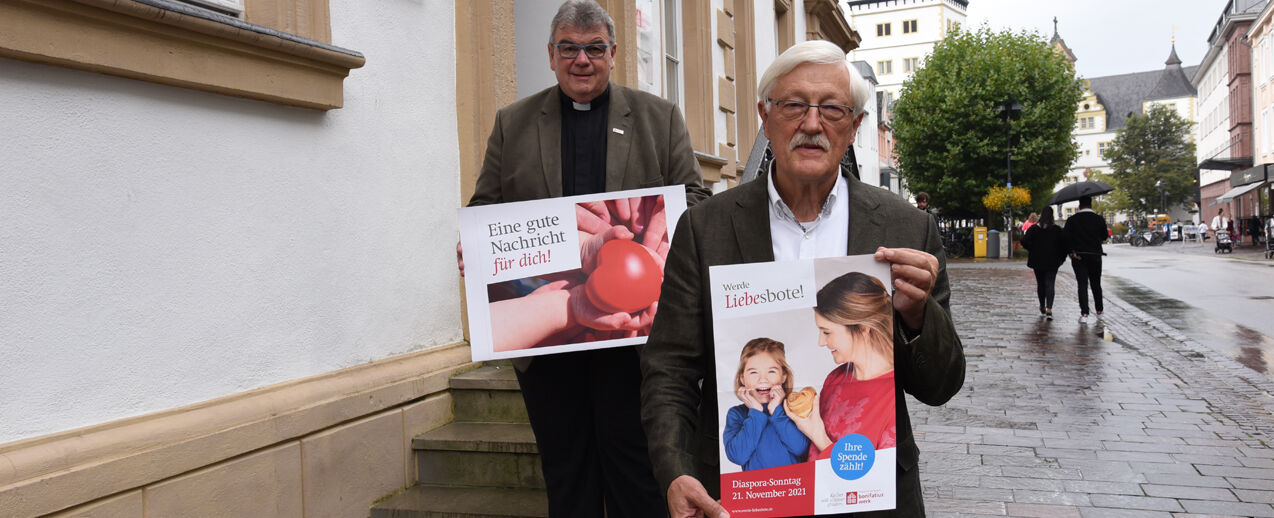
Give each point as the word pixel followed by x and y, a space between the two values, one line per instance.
pixel 950 137
pixel 1152 162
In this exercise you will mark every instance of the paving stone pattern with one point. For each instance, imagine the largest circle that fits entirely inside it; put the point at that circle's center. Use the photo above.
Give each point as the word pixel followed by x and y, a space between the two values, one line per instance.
pixel 1121 417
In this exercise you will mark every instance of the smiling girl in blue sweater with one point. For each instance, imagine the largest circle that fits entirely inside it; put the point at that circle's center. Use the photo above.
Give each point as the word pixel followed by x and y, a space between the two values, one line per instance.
pixel 758 434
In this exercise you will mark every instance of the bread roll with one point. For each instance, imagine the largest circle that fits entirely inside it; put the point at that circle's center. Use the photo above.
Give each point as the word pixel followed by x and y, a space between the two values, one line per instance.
pixel 802 403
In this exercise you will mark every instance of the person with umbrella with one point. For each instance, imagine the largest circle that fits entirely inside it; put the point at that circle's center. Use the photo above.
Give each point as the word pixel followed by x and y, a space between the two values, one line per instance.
pixel 1048 248
pixel 1086 230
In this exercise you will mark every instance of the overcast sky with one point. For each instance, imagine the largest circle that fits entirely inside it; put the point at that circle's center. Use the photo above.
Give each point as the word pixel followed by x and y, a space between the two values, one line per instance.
pixel 1110 37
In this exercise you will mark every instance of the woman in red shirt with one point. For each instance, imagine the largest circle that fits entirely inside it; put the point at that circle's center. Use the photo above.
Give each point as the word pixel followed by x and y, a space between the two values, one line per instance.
pixel 855 321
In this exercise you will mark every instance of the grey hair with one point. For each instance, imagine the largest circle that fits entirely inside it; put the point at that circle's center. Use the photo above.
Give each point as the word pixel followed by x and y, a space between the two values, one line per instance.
pixel 818 52
pixel 582 14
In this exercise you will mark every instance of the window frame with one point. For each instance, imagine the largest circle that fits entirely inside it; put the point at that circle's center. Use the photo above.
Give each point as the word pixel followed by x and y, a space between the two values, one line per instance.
pixel 885 67
pixel 910 26
pixel 1265 127
pixel 884 29
pixel 910 65
pixel 672 19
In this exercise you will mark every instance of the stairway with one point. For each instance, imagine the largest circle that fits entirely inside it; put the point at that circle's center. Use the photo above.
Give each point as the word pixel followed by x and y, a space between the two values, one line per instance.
pixel 483 464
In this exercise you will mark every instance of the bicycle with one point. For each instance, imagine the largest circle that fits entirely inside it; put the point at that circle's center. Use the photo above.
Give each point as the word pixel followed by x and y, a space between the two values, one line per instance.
pixel 953 244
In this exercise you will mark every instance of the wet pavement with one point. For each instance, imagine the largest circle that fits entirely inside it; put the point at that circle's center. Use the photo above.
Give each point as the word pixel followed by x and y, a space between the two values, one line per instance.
pixel 1248 346
pixel 1223 301
pixel 1126 416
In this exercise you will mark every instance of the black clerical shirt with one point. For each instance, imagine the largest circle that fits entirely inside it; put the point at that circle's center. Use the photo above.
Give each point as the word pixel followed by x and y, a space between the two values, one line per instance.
pixel 584 145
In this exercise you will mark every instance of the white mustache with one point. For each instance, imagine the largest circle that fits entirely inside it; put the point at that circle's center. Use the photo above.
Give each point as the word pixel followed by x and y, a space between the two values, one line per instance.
pixel 816 139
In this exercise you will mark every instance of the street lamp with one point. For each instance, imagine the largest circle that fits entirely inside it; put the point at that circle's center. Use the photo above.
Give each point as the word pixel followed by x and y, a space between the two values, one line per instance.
pixel 1008 110
pixel 1163 195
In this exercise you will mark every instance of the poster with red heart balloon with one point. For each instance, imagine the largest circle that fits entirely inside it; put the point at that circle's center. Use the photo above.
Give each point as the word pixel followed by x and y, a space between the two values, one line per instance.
pixel 566 274
pixel 805 386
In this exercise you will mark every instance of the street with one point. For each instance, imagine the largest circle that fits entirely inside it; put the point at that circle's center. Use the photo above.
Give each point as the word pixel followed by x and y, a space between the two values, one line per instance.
pixel 1121 417
pixel 1223 301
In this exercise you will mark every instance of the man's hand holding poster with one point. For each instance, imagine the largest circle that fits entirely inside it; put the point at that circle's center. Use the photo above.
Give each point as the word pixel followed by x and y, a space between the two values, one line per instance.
pixel 566 274
pixel 804 365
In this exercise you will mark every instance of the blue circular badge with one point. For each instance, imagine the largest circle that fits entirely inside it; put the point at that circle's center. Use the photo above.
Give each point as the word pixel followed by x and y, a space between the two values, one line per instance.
pixel 852 456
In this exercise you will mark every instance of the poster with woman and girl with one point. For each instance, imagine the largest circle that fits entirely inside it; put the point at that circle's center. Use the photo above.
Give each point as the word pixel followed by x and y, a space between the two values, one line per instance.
pixel 805 374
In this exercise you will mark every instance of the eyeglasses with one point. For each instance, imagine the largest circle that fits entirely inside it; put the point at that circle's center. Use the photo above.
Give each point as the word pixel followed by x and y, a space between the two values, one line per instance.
pixel 792 109
pixel 592 50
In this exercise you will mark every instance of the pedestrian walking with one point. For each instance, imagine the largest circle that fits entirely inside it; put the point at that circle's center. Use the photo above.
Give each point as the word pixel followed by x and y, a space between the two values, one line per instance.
pixel 1030 222
pixel 1220 222
pixel 1047 247
pixel 1085 231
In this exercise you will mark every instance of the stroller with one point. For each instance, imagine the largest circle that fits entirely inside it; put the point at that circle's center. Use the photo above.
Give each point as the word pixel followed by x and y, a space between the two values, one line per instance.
pixel 1223 242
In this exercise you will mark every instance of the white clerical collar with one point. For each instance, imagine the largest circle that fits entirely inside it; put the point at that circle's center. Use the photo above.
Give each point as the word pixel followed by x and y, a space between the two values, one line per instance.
pixel 581 107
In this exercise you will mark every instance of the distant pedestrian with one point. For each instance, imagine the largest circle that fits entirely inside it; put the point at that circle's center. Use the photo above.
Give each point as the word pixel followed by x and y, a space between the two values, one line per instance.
pixel 1032 220
pixel 922 201
pixel 1254 229
pixel 1220 222
pixel 1203 232
pixel 1085 231
pixel 1048 248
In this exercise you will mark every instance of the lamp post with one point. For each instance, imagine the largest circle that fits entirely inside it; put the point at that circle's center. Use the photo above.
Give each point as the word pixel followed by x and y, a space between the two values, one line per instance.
pixel 1163 195
pixel 1008 110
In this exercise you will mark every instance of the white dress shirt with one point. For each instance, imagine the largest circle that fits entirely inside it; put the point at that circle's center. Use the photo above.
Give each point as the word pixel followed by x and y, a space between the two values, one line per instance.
pixel 826 236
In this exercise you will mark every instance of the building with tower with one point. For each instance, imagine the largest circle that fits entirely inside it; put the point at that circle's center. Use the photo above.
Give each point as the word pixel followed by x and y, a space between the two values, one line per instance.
pixel 1109 101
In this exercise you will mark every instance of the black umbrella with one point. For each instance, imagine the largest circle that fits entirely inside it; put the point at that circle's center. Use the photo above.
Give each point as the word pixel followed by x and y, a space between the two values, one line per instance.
pixel 1078 190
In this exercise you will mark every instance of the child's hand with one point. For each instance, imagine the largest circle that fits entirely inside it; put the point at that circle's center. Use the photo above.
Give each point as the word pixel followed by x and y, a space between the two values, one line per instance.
pixel 777 399
pixel 748 397
pixel 591 244
pixel 584 313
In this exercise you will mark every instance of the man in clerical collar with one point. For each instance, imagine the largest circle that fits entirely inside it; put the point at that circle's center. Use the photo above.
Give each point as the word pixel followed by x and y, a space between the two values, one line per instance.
pixel 811 104
pixel 587 135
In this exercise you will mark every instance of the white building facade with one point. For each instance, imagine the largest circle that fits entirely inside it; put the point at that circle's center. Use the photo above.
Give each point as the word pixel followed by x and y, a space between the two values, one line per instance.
pixel 867 140
pixel 230 244
pixel 1212 134
pixel 898 35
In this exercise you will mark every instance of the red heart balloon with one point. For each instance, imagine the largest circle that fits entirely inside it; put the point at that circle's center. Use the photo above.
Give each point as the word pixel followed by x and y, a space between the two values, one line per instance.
pixel 627 278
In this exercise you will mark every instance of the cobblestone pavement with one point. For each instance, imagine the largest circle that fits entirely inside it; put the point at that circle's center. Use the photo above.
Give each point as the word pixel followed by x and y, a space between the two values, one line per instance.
pixel 1124 417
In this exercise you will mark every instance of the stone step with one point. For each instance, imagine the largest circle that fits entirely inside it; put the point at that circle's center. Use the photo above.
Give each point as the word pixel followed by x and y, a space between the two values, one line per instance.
pixel 427 501
pixel 487 377
pixel 488 394
pixel 481 437
pixel 479 454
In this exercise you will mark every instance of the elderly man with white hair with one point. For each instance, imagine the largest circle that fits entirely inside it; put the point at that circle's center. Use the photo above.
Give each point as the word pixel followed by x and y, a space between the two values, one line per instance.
pixel 807 206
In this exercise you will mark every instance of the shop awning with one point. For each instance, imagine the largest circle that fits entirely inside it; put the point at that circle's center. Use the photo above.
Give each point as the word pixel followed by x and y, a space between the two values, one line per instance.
pixel 1237 191
pixel 1226 164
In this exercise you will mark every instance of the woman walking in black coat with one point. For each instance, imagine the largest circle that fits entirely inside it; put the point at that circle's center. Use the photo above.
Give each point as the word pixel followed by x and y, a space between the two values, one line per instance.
pixel 1048 248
